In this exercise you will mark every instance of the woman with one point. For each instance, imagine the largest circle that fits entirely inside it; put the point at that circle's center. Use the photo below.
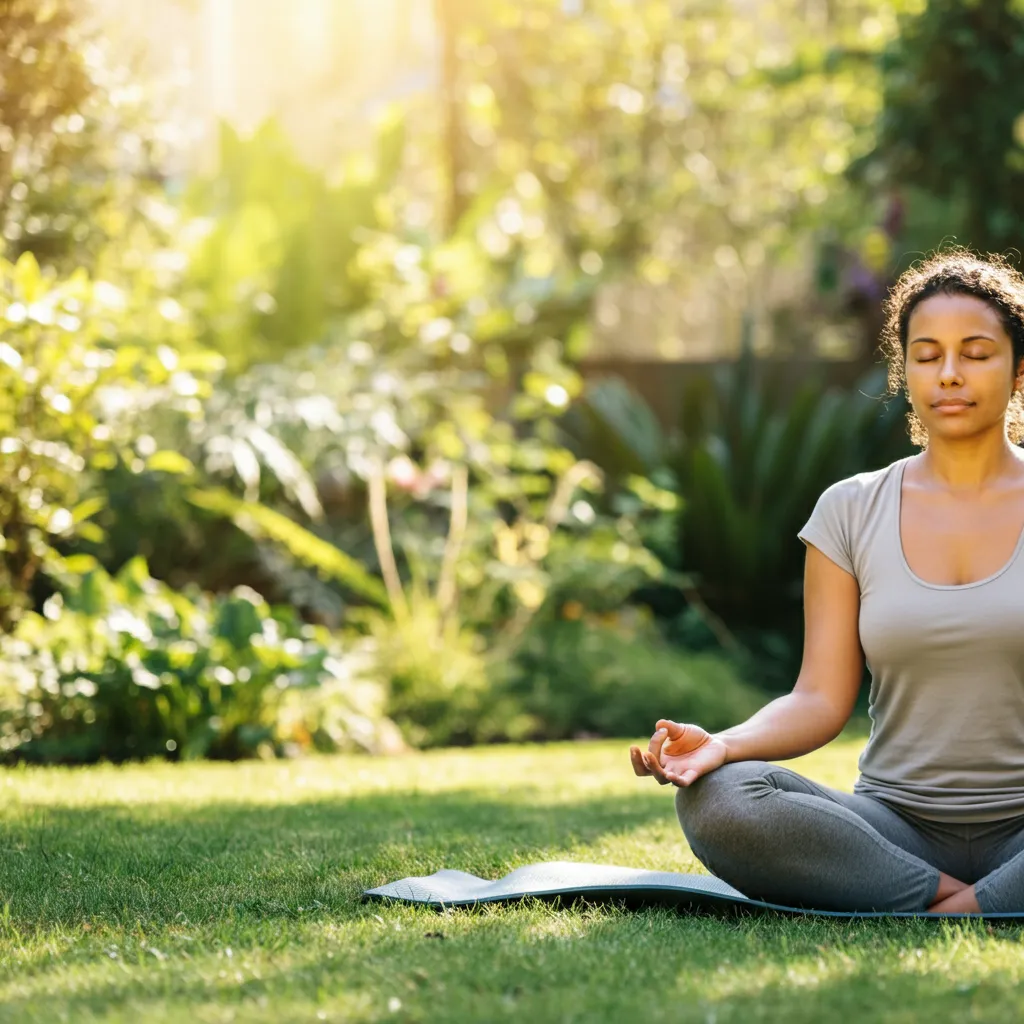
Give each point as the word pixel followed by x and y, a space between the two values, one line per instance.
pixel 918 567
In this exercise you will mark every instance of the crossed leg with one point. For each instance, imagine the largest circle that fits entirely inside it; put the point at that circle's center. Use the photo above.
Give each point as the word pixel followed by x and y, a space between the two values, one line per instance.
pixel 998 851
pixel 777 836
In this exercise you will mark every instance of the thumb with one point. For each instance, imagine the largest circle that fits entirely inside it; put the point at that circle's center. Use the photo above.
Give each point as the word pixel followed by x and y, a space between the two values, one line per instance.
pixel 672 729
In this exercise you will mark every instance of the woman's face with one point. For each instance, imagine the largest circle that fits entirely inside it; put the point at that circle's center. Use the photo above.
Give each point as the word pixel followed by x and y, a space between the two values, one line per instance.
pixel 959 365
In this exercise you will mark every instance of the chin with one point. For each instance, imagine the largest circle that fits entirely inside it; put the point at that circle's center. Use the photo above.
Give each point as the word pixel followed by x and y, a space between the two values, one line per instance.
pixel 956 426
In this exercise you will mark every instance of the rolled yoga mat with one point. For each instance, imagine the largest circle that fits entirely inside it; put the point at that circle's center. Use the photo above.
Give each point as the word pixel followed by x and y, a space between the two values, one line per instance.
pixel 607 883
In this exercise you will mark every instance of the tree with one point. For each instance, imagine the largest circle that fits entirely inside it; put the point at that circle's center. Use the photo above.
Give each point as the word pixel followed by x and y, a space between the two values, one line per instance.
pixel 271 273
pixel 951 132
pixel 73 161
pixel 685 149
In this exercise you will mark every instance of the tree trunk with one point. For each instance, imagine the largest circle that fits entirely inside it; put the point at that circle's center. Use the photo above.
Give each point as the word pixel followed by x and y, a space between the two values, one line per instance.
pixel 448 23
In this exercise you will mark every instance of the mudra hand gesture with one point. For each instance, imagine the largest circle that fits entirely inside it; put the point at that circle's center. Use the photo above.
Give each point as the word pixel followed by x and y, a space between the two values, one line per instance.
pixel 678 753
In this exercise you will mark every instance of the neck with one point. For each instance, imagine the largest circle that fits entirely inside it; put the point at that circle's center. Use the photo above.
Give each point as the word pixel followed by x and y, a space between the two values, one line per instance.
pixel 971 463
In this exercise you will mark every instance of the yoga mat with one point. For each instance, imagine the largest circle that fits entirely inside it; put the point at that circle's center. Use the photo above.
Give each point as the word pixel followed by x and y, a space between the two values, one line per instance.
pixel 604 883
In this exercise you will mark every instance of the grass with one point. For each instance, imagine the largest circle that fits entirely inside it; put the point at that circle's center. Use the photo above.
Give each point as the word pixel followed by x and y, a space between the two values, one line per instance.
pixel 217 892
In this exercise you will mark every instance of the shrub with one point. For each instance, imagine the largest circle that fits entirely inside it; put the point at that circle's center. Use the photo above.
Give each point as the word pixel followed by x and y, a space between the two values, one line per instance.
pixel 70 396
pixel 579 675
pixel 125 667
pixel 747 461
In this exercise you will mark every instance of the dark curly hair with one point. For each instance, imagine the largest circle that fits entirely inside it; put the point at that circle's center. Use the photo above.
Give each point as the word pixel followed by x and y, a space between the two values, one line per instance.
pixel 955 270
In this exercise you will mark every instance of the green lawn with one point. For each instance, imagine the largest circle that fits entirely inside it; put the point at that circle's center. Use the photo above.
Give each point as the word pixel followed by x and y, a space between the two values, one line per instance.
pixel 219 892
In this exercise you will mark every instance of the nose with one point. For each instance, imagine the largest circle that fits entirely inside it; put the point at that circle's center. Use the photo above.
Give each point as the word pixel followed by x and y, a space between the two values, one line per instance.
pixel 949 375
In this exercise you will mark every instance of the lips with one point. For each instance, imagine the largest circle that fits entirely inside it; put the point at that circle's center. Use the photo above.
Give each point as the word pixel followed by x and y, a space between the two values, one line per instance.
pixel 956 403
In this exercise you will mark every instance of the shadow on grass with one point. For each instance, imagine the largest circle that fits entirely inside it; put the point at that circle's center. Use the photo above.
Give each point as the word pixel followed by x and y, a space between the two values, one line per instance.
pixel 611 966
pixel 156 861
pixel 276 878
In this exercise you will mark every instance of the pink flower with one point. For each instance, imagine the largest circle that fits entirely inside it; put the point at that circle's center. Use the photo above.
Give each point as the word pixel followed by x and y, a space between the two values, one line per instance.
pixel 403 473
pixel 408 477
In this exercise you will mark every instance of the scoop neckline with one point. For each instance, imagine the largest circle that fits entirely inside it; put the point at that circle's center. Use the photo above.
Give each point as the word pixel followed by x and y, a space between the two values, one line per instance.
pixel 903 558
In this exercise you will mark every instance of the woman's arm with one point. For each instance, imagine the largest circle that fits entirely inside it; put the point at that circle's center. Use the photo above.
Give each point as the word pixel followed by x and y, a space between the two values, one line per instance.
pixel 814 713
pixel 826 689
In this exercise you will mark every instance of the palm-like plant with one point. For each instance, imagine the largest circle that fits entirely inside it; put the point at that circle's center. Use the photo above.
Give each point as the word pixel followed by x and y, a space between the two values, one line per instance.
pixel 749 464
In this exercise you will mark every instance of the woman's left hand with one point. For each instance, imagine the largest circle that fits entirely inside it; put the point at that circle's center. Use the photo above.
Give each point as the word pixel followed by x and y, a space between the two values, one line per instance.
pixel 680 753
pixel 648 762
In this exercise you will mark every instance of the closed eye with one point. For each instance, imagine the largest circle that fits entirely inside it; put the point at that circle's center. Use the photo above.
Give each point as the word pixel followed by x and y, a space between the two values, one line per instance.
pixel 932 359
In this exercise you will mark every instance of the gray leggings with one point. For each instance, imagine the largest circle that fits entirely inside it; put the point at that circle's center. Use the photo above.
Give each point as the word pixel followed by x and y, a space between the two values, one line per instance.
pixel 779 837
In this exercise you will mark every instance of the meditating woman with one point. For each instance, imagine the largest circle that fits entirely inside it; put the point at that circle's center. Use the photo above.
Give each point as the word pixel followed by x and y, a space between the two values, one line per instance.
pixel 918 568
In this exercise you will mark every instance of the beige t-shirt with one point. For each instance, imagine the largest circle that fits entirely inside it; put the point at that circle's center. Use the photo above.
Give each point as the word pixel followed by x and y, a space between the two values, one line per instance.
pixel 947 663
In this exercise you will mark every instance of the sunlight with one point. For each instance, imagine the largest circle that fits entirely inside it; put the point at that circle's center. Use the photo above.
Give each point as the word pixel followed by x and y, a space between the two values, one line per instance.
pixel 312 24
pixel 219 39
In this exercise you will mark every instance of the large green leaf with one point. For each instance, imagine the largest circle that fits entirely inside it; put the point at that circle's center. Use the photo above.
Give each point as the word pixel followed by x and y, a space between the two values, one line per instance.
pixel 260 522
pixel 614 425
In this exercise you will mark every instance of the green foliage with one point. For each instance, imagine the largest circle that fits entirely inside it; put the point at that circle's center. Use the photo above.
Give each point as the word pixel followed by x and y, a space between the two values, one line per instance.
pixel 262 522
pixel 270 271
pixel 613 420
pixel 527 562
pixel 111 447
pixel 372 329
pixel 76 157
pixel 71 392
pixel 125 667
pixel 749 462
pixel 751 466
pixel 519 544
pixel 254 440
pixel 952 126
pixel 579 676
pixel 434 669
pixel 693 152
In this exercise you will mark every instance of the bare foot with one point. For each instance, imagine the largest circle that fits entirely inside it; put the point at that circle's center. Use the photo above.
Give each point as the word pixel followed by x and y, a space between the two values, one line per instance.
pixel 962 902
pixel 948 886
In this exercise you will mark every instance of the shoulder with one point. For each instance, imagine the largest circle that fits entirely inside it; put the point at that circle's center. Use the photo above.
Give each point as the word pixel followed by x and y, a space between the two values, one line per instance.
pixel 860 489
pixel 848 515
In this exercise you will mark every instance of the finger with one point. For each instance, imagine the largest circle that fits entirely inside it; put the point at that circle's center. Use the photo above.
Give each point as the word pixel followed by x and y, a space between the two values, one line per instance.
pixel 657 742
pixel 637 759
pixel 656 769
pixel 673 730
pixel 639 765
pixel 684 779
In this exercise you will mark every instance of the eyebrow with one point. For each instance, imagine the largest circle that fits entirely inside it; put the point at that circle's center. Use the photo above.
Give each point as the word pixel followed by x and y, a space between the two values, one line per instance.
pixel 972 337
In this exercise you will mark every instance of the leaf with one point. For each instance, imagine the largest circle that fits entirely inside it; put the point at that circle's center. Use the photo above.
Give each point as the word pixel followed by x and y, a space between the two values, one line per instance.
pixel 259 521
pixel 91 532
pixel 80 564
pixel 288 470
pixel 170 462
pixel 203 362
pixel 27 277
pixel 88 508
pixel 94 593
pixel 246 465
pixel 617 427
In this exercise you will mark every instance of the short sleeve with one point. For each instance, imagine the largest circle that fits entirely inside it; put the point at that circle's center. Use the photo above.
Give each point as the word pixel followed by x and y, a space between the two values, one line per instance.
pixel 828 528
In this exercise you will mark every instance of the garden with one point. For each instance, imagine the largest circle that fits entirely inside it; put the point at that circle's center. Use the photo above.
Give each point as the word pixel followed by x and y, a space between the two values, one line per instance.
pixel 357 513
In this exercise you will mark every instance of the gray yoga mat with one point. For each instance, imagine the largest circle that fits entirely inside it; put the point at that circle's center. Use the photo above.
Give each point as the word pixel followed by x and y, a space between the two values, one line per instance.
pixel 607 883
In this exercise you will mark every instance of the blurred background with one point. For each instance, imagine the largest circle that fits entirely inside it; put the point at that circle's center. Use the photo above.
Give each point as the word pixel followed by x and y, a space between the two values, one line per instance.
pixel 381 374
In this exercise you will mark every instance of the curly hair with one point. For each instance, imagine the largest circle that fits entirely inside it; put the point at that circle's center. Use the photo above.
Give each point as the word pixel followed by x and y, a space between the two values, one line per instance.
pixel 955 270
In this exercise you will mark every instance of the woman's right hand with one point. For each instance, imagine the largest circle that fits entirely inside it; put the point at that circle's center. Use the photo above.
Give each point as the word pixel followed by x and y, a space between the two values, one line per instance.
pixel 678 753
